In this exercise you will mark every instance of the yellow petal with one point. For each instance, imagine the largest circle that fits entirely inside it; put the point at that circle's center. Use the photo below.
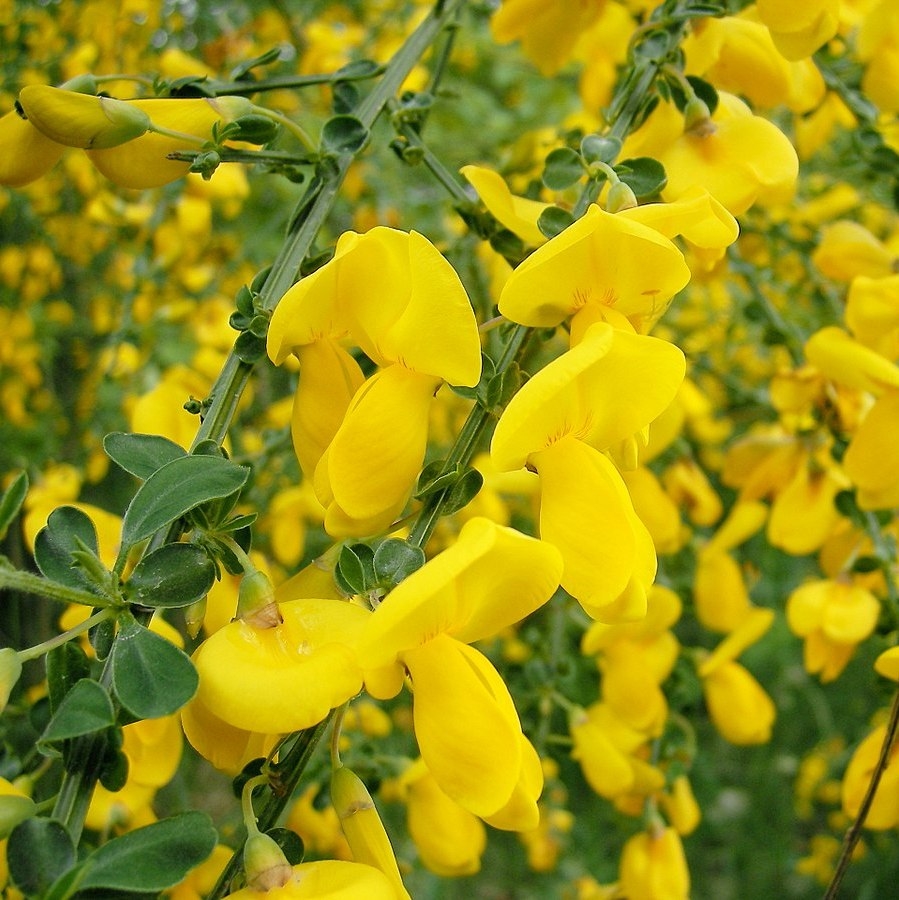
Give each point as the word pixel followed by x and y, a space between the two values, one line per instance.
pixel 654 867
pixel 276 680
pixel 884 811
pixel 850 363
pixel 607 769
pixel 378 450
pixel 457 694
pixel 490 578
pixel 602 391
pixel 329 378
pixel 738 705
pixel 602 259
pixel 887 664
pixel 329 879
pixel 850 614
pixel 869 462
pixel 586 513
pixel 756 622
pixel 803 514
pixel 805 607
pixel 25 153
pixel 518 214
pixel 719 591
pixel 520 813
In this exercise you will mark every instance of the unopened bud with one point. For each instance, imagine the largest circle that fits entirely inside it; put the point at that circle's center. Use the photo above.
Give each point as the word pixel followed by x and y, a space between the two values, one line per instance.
pixel 256 601
pixel 10 670
pixel 620 197
pixel 265 864
pixel 80 120
pixel 698 118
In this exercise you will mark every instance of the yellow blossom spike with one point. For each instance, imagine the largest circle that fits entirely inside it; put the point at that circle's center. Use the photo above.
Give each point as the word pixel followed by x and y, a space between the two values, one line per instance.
pixel 518 214
pixel 602 391
pixel 450 840
pixel 492 577
pixel 603 259
pixel 844 360
pixel 142 163
pixel 586 512
pixel 251 677
pixel 653 867
pixel 377 452
pixel 82 120
pixel 25 153
pixel 738 705
pixel 362 826
pixel 459 694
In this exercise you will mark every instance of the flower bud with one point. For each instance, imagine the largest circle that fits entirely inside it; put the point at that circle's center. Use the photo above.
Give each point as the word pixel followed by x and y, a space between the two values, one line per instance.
pixel 620 197
pixel 79 120
pixel 698 118
pixel 362 825
pixel 256 601
pixel 13 810
pixel 265 864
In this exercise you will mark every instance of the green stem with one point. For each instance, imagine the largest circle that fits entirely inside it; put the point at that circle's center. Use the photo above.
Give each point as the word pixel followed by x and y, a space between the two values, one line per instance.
pixel 288 124
pixel 286 82
pixel 28 583
pixel 39 650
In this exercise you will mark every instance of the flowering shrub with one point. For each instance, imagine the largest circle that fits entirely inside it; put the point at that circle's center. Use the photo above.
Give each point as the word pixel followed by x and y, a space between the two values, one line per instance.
pixel 447 447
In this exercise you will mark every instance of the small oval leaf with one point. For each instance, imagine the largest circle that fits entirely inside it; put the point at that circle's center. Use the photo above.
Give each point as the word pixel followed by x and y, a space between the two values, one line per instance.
pixel 344 134
pixel 395 560
pixel 68 531
pixel 150 676
pixel 563 168
pixel 141 454
pixel 173 490
pixel 86 708
pixel 554 220
pixel 174 575
pixel 39 851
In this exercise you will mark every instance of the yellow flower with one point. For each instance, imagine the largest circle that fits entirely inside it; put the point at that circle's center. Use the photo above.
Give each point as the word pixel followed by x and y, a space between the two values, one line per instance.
pixel 25 153
pixel 363 442
pixel 848 249
pixel 798 29
pixel 602 262
pixel 548 31
pixel 719 591
pixel 872 313
pixel 867 462
pixel 489 579
pixel 833 617
pixel 841 358
pixel 653 867
pixel 281 679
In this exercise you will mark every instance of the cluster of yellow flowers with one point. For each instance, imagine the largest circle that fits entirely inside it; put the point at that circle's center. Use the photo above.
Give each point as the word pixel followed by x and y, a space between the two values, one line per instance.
pixel 623 403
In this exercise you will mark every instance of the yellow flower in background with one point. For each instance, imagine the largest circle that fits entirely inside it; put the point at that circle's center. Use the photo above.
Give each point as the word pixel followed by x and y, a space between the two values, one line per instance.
pixel 800 28
pixel 548 31
pixel 833 616
pixel 602 262
pixel 838 356
pixel 25 153
pixel 738 705
pixel 848 249
pixel 868 462
pixel 872 313
pixel 653 866
pixel 363 441
pixel 878 46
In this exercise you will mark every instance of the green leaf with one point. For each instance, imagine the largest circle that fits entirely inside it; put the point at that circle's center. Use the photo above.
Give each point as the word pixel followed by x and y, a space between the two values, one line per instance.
pixel 173 490
pixel 68 531
pixel 66 666
pixel 433 478
pixel 355 566
pixel 290 842
pixel 150 676
pixel 86 708
pixel 462 492
pixel 174 575
pixel 141 454
pixel 595 148
pixel 255 128
pixel 344 134
pixel 396 560
pixel 360 68
pixel 554 220
pixel 644 175
pixel 249 348
pixel 151 858
pixel 563 168
pixel 39 851
pixel 11 502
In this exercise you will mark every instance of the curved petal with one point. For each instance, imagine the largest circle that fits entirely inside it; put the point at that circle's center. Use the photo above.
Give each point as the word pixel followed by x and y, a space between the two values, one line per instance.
pixel 844 360
pixel 604 390
pixel 585 512
pixel 328 879
pixel 378 450
pixel 518 214
pixel 869 461
pixel 489 579
pixel 329 379
pixel 521 813
pixel 459 695
pixel 25 153
pixel 601 258
pixel 281 679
